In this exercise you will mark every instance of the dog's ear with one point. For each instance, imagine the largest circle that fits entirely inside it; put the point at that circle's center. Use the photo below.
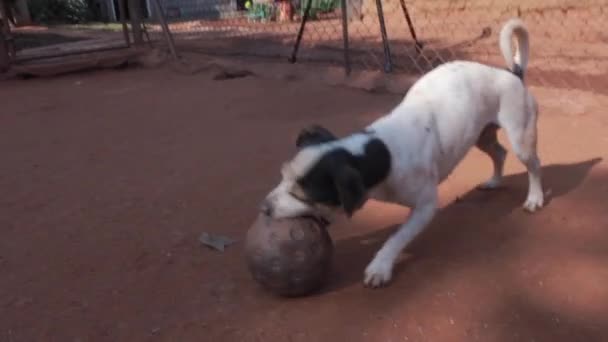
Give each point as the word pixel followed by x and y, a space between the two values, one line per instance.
pixel 350 188
pixel 314 135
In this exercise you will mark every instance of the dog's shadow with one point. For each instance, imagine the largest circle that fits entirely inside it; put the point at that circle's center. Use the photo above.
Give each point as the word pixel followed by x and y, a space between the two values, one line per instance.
pixel 463 229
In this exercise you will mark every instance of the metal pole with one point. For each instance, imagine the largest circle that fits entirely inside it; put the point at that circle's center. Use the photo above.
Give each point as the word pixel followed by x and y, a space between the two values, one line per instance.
pixel 5 59
pixel 411 26
pixel 388 64
pixel 70 53
pixel 296 46
pixel 135 17
pixel 122 7
pixel 167 33
pixel 7 47
pixel 345 38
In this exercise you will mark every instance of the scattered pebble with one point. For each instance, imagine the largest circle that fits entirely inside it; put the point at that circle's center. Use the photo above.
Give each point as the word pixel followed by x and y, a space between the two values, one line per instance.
pixel 217 242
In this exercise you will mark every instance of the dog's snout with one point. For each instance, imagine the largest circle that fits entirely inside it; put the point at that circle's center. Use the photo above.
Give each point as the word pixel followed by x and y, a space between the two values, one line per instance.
pixel 266 208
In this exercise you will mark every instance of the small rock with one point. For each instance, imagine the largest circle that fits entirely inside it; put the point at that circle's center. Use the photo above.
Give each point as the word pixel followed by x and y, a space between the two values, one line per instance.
pixel 217 242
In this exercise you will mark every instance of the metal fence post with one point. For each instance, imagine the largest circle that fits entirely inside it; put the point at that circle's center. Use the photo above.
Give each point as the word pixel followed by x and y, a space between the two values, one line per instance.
pixel 136 19
pixel 406 13
pixel 163 22
pixel 5 59
pixel 5 55
pixel 345 38
pixel 388 63
pixel 123 20
pixel 296 46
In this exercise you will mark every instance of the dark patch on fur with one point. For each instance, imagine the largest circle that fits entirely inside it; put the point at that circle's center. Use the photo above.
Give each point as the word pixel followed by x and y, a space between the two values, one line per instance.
pixel 487 138
pixel 340 178
pixel 518 71
pixel 314 135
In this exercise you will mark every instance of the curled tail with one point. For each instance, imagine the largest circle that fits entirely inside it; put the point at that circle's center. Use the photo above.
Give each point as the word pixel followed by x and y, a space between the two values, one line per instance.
pixel 517 64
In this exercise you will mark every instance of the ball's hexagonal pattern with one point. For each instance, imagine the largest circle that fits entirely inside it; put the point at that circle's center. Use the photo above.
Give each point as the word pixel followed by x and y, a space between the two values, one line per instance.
pixel 290 257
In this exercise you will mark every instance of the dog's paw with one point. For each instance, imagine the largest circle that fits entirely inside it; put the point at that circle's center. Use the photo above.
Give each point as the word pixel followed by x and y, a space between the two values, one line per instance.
pixel 378 273
pixel 492 184
pixel 533 203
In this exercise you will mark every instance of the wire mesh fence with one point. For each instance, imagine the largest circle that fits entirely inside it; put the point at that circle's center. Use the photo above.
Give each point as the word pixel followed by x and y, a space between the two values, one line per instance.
pixel 569 47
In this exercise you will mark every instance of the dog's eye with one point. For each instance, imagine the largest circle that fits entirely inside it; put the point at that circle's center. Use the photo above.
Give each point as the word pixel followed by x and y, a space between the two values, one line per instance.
pixel 299 196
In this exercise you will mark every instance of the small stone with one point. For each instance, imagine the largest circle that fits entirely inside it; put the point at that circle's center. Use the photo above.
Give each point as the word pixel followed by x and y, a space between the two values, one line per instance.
pixel 216 242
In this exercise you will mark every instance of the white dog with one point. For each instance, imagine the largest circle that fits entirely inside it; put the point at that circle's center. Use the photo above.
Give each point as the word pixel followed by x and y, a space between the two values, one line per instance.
pixel 403 156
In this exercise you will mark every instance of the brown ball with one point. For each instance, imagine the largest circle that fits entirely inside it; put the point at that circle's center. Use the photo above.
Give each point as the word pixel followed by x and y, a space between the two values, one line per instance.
pixel 290 257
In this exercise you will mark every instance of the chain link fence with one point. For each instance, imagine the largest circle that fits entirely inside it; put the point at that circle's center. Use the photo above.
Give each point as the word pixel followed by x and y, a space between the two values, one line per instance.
pixel 569 48
pixel 569 42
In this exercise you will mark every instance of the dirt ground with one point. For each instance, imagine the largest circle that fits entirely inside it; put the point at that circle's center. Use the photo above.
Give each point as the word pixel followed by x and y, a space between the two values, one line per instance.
pixel 108 179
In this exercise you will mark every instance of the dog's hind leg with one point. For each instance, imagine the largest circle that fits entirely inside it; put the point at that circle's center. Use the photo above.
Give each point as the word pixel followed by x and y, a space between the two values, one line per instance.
pixel 523 137
pixel 488 143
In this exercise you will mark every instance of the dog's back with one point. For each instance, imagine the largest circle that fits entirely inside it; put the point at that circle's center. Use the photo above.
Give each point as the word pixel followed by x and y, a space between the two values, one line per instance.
pixel 451 105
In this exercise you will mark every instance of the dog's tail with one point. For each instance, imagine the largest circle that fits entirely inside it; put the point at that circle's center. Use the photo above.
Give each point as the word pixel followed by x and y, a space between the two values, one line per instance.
pixel 518 63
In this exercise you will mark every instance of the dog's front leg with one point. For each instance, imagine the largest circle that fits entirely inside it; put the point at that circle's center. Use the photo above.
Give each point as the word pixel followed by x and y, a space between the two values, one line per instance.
pixel 379 271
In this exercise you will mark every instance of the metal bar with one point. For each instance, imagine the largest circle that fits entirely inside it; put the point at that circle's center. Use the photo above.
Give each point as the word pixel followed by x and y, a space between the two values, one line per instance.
pixel 122 8
pixel 9 39
pixel 166 32
pixel 113 16
pixel 145 28
pixel 345 38
pixel 69 53
pixel 135 17
pixel 388 64
pixel 5 58
pixel 411 26
pixel 296 46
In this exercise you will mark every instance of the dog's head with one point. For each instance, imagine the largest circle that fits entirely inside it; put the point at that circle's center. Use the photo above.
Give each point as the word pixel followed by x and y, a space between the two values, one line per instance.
pixel 323 179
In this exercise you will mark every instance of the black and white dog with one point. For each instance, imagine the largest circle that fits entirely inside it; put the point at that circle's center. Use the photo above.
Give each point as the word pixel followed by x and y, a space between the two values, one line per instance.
pixel 404 156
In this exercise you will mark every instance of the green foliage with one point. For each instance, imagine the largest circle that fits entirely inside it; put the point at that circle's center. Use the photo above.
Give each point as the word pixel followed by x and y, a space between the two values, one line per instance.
pixel 318 6
pixel 61 11
pixel 267 11
pixel 261 11
pixel 327 5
